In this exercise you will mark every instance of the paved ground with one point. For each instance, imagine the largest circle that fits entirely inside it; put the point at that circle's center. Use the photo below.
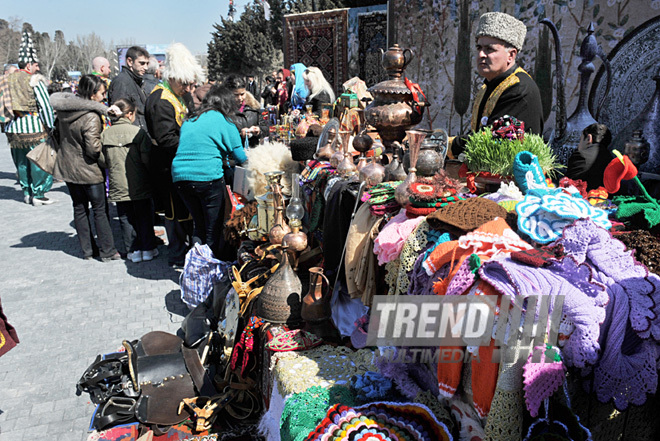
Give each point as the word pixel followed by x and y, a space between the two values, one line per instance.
pixel 66 311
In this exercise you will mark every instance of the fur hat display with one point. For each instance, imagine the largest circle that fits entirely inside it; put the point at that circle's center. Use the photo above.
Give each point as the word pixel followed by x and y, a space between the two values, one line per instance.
pixel 271 156
pixel 503 27
pixel 27 53
pixel 181 65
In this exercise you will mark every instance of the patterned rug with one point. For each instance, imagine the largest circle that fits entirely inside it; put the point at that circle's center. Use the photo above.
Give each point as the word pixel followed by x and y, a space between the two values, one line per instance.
pixel 318 39
pixel 372 35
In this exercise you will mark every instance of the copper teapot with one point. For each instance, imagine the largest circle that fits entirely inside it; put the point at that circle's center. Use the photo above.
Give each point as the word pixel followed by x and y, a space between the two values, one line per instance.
pixel 394 61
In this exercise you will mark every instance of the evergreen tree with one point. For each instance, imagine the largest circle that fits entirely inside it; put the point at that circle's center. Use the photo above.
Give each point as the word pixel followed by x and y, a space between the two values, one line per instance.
pixel 243 46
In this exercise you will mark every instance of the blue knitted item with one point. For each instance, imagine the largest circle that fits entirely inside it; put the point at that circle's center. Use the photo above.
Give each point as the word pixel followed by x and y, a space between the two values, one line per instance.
pixel 372 386
pixel 525 162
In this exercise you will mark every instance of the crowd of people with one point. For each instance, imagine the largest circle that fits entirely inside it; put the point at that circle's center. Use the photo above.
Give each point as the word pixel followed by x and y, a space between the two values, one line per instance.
pixel 155 139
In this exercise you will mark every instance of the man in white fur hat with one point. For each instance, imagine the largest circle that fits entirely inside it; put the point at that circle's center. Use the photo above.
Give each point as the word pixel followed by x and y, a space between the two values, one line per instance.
pixel 507 89
pixel 165 110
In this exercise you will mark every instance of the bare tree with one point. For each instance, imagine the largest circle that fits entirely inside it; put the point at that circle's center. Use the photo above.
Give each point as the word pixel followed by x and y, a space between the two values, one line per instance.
pixel 10 39
pixel 51 52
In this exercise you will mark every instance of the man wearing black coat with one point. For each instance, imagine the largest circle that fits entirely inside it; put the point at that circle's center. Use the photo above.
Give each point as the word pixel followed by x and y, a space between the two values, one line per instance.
pixel 507 89
pixel 128 84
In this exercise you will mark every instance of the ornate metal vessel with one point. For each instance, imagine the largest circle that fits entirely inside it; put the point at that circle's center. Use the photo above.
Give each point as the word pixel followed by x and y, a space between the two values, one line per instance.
pixel 391 111
pixel 648 122
pixel 280 298
pixel 568 131
pixel 316 309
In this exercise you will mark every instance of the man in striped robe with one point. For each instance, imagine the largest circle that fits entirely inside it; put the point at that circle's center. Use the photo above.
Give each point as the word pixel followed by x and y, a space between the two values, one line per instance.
pixel 33 120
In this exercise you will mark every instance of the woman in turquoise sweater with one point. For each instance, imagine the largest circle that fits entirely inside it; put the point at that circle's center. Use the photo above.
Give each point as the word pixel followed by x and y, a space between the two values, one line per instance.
pixel 207 139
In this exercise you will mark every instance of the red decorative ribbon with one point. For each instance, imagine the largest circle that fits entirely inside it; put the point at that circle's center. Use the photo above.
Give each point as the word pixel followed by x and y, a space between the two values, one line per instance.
pixel 416 91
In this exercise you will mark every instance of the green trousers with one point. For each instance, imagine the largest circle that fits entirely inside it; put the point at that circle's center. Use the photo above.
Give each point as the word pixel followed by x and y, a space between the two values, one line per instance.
pixel 34 181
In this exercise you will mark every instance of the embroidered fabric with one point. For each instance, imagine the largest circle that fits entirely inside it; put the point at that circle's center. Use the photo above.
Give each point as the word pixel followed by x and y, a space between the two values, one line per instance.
pixel 627 371
pixel 469 425
pixel 603 419
pixel 392 273
pixel 383 421
pixel 322 366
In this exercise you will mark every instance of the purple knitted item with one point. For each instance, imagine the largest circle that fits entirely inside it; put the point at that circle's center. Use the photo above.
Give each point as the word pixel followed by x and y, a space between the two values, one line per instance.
pixel 627 371
pixel 587 242
pixel 541 379
pixel 584 301
pixel 462 280
pixel 420 282
pixel 409 378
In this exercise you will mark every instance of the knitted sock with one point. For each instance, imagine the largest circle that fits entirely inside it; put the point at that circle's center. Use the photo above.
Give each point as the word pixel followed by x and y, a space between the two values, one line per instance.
pixel 449 375
pixel 484 371
pixel 527 162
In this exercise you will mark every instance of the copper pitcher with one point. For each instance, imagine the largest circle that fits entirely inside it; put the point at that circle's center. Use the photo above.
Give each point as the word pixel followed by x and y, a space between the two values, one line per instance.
pixel 316 309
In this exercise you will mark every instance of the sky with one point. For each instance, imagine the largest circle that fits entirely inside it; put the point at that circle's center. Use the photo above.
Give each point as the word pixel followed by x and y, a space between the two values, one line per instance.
pixel 123 21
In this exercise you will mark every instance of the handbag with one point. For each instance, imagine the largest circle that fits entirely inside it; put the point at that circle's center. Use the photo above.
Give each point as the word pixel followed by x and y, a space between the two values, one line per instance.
pixel 44 155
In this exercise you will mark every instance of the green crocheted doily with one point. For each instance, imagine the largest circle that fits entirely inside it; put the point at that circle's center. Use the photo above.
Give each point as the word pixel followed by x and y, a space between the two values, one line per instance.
pixel 304 411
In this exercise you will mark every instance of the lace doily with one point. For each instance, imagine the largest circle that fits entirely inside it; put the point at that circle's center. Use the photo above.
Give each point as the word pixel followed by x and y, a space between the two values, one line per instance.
pixel 323 366
pixel 391 276
pixel 305 410
pixel 413 246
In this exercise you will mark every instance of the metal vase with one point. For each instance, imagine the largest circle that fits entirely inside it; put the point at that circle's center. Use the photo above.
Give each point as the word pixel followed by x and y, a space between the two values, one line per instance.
pixel 280 299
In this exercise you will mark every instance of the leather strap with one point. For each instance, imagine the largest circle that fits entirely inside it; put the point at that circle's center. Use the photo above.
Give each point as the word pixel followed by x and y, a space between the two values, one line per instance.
pixel 115 411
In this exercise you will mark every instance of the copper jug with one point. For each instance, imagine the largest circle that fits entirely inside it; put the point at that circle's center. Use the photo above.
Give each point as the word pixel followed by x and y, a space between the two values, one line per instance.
pixel 316 309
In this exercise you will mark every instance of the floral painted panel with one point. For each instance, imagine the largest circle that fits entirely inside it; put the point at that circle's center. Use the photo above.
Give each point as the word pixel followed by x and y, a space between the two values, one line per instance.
pixel 431 29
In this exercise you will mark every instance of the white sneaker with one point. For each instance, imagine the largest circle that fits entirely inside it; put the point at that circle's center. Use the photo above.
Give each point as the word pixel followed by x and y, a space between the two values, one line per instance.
pixel 27 199
pixel 149 255
pixel 42 201
pixel 135 256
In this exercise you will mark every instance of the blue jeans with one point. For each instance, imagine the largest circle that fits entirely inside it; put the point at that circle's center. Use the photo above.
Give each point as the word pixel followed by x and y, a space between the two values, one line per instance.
pixel 84 195
pixel 205 201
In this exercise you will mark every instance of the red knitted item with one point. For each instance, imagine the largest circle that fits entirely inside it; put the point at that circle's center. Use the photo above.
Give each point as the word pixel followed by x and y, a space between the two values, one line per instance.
pixel 577 183
pixel 484 371
pixel 616 172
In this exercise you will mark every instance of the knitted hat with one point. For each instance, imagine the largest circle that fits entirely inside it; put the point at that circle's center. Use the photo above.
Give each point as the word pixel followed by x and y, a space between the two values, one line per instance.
pixel 503 27
pixel 616 171
pixel 27 53
pixel 304 148
pixel 466 215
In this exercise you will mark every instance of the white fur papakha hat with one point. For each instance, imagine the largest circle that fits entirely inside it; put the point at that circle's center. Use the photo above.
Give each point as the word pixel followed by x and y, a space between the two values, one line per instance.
pixel 503 27
pixel 181 65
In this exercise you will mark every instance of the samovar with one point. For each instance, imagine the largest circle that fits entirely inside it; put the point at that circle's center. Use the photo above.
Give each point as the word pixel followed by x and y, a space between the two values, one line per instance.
pixel 393 110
